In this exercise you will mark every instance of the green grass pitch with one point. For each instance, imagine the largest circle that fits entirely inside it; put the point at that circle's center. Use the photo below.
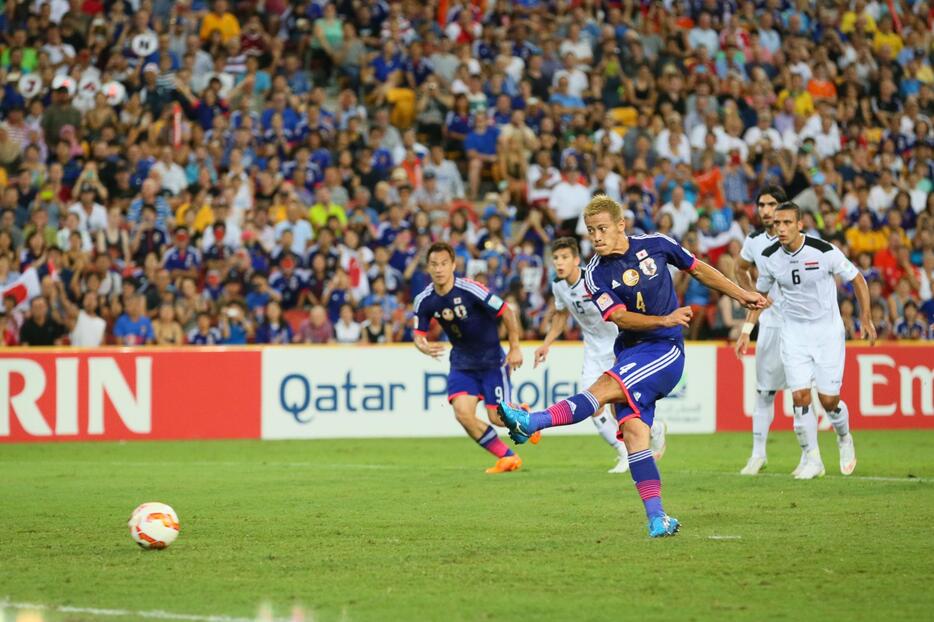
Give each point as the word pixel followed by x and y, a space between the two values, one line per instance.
pixel 414 530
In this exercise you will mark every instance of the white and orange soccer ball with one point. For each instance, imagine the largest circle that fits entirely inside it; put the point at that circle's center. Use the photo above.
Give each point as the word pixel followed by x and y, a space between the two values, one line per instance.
pixel 154 525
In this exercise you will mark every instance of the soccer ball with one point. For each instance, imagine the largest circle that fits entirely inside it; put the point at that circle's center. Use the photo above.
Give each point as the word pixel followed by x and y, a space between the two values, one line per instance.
pixel 153 525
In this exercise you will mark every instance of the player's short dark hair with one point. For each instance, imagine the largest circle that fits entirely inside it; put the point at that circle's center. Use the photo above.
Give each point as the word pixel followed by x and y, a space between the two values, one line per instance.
pixel 776 192
pixel 790 205
pixel 441 247
pixel 566 242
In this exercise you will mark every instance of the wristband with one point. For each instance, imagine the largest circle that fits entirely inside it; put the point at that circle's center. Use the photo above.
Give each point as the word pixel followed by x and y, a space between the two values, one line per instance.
pixel 747 328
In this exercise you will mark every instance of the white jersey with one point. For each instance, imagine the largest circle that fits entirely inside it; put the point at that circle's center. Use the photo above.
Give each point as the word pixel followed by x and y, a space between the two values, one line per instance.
pixel 753 246
pixel 599 336
pixel 806 280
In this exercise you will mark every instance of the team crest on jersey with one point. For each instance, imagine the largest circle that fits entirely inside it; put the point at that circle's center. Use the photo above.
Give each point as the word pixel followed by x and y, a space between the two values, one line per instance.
pixel 648 266
pixel 604 302
pixel 631 277
pixel 642 254
pixel 447 315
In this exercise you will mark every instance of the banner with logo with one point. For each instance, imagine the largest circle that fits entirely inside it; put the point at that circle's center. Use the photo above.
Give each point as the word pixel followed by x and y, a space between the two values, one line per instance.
pixel 885 387
pixel 123 394
pixel 396 391
pixel 296 392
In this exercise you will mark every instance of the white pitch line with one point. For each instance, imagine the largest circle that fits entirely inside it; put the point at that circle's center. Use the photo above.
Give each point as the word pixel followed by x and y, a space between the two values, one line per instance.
pixel 407 467
pixel 724 537
pixel 865 478
pixel 152 615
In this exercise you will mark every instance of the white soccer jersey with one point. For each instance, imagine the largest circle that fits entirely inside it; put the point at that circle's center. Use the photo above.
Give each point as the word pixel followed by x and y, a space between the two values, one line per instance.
pixel 752 249
pixel 806 279
pixel 599 336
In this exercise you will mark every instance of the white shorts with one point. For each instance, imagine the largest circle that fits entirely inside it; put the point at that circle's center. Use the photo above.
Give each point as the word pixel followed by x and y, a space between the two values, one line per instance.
pixel 593 369
pixel 770 371
pixel 814 352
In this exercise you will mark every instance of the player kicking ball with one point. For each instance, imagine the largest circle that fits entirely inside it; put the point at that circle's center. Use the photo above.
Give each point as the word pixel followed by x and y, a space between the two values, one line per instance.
pixel 630 284
pixel 571 298
pixel 770 374
pixel 468 313
pixel 812 333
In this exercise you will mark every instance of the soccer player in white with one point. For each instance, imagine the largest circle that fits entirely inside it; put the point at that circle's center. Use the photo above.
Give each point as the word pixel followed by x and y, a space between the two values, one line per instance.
pixel 770 374
pixel 571 298
pixel 812 334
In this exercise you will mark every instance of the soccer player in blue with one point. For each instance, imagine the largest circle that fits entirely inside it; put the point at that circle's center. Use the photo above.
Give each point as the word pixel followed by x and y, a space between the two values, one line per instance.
pixel 630 283
pixel 468 313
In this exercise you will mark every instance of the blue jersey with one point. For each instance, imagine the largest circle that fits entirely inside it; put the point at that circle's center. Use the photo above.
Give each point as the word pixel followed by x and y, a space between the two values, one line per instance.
pixel 467 315
pixel 639 281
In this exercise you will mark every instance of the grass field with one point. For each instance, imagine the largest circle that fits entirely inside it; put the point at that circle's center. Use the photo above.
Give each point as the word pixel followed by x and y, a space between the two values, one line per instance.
pixel 414 530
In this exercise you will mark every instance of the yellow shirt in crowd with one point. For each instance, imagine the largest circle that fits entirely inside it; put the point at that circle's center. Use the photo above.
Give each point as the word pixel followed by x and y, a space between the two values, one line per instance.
pixel 893 40
pixel 865 242
pixel 226 23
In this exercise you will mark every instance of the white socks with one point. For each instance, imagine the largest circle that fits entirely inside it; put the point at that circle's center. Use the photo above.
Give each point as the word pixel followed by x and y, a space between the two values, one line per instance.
pixel 806 428
pixel 607 427
pixel 840 419
pixel 762 421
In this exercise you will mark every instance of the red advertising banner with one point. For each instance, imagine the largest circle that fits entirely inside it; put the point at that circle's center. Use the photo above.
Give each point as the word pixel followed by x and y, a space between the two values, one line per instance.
pixel 885 387
pixel 123 394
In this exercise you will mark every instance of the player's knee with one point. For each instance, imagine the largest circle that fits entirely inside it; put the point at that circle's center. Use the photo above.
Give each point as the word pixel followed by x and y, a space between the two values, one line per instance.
pixel 636 435
pixel 802 397
pixel 494 417
pixel 766 398
pixel 463 416
pixel 829 402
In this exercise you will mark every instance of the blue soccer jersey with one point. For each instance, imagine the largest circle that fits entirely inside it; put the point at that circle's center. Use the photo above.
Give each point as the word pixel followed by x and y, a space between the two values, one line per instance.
pixel 468 315
pixel 639 281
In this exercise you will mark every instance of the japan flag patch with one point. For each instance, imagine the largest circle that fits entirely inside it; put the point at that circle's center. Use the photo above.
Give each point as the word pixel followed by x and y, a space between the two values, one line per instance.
pixel 604 302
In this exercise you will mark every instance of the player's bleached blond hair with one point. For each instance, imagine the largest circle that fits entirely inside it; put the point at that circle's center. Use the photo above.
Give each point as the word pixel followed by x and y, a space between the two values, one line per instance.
pixel 601 203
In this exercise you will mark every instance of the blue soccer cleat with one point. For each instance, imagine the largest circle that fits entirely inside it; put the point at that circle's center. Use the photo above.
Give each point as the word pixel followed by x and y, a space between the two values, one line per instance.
pixel 663 526
pixel 516 420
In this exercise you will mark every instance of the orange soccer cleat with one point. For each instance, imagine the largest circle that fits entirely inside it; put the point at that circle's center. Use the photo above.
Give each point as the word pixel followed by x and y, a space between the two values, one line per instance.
pixel 536 437
pixel 506 464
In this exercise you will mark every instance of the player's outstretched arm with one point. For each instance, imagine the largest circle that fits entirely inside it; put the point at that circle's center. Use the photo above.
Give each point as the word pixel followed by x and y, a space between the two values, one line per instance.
pixel 714 279
pixel 432 349
pixel 627 320
pixel 866 328
pixel 743 277
pixel 513 332
pixel 559 319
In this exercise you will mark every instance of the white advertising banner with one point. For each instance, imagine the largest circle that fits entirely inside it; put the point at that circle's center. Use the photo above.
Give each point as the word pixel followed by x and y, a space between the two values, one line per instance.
pixel 395 391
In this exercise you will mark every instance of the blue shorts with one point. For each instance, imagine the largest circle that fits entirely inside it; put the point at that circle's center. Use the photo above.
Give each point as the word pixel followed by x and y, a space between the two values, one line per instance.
pixel 490 385
pixel 647 372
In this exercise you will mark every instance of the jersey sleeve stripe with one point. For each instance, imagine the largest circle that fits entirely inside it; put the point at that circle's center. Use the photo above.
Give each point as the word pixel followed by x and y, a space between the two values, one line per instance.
pixel 474 288
pixel 588 274
pixel 692 266
pixel 418 299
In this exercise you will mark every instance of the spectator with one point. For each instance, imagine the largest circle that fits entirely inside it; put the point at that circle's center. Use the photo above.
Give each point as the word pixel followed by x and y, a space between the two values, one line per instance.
pixel 134 328
pixel 274 329
pixel 204 334
pixel 346 330
pixel 40 329
pixel 317 328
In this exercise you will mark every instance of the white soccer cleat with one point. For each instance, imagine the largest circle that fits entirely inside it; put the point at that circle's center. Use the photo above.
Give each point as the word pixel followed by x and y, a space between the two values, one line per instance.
pixel 813 467
pixel 622 465
pixel 754 465
pixel 801 463
pixel 657 441
pixel 847 454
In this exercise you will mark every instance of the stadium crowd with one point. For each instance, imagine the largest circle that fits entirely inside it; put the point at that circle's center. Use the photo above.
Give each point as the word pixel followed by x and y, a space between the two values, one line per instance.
pixel 271 171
